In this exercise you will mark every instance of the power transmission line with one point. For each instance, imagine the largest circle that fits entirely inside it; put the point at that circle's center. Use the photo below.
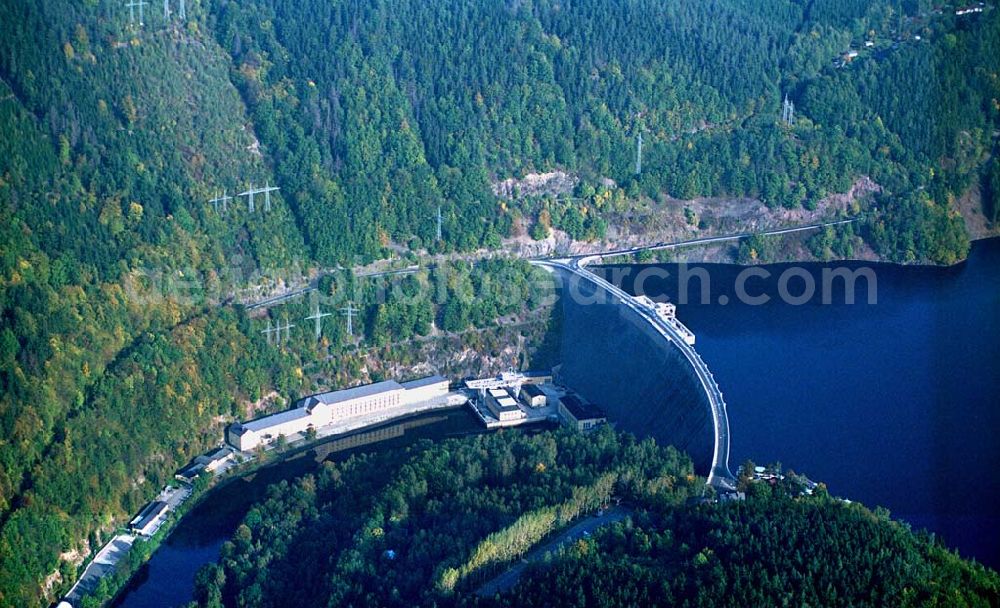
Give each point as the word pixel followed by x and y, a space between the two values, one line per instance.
pixel 288 331
pixel 270 330
pixel 221 199
pixel 132 4
pixel 266 191
pixel 638 153
pixel 788 111
pixel 317 316
pixel 437 217
pixel 350 311
pixel 249 194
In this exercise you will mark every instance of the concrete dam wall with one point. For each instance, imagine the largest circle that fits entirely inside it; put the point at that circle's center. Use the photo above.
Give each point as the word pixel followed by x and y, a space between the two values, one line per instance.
pixel 616 360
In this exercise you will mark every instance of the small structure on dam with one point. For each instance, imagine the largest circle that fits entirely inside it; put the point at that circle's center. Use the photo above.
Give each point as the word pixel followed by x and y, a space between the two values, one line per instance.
pixel 667 312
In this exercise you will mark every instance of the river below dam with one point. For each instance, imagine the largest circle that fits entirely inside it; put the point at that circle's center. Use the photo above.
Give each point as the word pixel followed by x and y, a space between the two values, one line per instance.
pixel 167 579
pixel 893 404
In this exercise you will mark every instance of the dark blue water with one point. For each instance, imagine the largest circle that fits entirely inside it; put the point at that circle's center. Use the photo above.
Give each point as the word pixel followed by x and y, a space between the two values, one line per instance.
pixel 894 404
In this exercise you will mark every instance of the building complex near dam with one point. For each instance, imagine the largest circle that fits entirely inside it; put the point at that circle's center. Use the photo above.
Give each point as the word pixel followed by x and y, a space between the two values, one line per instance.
pixel 628 353
pixel 324 409
pixel 509 399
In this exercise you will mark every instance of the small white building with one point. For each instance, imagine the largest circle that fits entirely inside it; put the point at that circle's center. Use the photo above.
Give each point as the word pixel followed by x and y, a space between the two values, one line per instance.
pixel 533 395
pixel 216 458
pixel 149 520
pixel 210 463
pixel 667 310
pixel 503 407
pixel 579 414
pixel 664 310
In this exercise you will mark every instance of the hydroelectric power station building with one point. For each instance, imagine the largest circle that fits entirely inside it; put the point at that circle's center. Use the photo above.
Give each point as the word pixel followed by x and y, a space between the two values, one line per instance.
pixel 320 410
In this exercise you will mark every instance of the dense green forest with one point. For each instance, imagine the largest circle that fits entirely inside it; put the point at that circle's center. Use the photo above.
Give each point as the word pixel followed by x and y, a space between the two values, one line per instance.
pixel 390 100
pixel 370 117
pixel 449 513
pixel 769 551
pixel 430 525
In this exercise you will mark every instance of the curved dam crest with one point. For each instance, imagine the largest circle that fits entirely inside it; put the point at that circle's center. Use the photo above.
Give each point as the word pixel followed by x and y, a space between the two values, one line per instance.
pixel 616 359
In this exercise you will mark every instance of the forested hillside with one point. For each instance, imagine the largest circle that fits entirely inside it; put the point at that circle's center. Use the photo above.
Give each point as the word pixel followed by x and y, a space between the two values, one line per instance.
pixel 102 168
pixel 370 117
pixel 770 551
pixel 407 528
pixel 426 103
pixel 430 526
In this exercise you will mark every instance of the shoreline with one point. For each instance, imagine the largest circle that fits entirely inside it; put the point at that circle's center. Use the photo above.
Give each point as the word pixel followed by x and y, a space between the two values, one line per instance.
pixel 243 470
pixel 733 262
pixel 581 249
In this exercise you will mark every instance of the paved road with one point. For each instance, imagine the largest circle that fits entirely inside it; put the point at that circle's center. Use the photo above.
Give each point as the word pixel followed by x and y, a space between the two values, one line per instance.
pixel 314 284
pixel 584 527
pixel 288 295
pixel 706 240
pixel 719 476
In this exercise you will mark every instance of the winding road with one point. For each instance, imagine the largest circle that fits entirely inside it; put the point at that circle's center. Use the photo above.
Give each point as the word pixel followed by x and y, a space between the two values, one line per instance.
pixel 314 284
pixel 510 577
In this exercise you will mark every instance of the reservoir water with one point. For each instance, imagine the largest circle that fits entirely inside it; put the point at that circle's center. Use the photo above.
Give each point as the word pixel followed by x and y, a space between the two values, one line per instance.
pixel 893 404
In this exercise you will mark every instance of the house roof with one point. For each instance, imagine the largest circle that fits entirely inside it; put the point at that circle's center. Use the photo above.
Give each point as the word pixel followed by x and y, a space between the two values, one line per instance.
pixel 262 424
pixel 149 513
pixel 533 390
pixel 421 382
pixel 218 453
pixel 580 409
pixel 366 390
pixel 192 470
pixel 506 404
pixel 214 455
